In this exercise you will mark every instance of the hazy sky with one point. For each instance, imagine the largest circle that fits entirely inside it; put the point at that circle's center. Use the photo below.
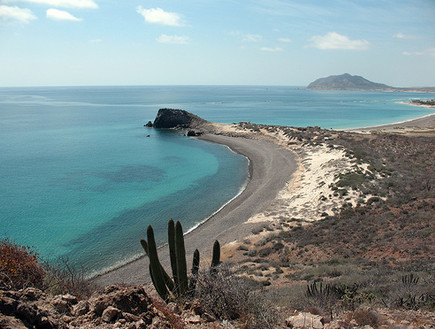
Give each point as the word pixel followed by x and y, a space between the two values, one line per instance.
pixel 195 42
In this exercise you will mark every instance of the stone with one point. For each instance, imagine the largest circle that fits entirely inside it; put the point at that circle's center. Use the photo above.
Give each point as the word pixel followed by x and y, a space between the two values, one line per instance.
pixel 208 318
pixel 304 320
pixel 81 308
pixel 149 124
pixel 194 319
pixel 32 294
pixel 70 299
pixel 8 305
pixel 130 317
pixel 61 305
pixel 11 322
pixel 110 314
pixel 174 308
pixel 191 133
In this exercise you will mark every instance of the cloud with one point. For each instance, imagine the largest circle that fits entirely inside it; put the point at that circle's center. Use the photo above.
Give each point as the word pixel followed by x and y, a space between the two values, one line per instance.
pixel 23 15
pixel 276 49
pixel 404 36
pixel 60 15
pixel 63 3
pixel 159 16
pixel 427 52
pixel 333 40
pixel 173 39
pixel 247 37
pixel 286 40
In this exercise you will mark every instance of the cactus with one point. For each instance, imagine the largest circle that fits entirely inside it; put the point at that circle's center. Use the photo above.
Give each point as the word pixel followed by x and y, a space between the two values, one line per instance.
pixel 181 259
pixel 409 280
pixel 216 259
pixel 172 252
pixel 194 272
pixel 156 268
pixel 179 286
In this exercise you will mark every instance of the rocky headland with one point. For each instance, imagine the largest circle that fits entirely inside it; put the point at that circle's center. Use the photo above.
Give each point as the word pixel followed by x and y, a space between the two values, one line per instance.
pixel 173 118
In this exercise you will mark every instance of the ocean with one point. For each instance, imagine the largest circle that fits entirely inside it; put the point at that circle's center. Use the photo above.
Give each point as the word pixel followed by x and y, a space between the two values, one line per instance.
pixel 81 178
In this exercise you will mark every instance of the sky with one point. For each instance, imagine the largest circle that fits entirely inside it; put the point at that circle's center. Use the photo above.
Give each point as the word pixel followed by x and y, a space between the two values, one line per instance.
pixel 215 42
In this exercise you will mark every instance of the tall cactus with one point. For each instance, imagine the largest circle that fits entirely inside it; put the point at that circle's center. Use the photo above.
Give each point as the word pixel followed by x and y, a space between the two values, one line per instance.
pixel 156 268
pixel 179 286
pixel 180 252
pixel 216 259
pixel 172 251
pixel 195 270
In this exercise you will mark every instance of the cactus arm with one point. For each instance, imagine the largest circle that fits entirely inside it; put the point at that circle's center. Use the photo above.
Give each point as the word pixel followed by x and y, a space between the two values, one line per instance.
pixel 195 269
pixel 181 259
pixel 155 267
pixel 172 252
pixel 195 262
pixel 216 259
pixel 144 245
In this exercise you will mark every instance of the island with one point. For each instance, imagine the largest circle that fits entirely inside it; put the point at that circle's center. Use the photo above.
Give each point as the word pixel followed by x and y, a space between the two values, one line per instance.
pixel 355 82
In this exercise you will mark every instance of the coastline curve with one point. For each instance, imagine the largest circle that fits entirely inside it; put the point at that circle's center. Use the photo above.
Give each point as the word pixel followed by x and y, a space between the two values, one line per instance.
pixel 270 168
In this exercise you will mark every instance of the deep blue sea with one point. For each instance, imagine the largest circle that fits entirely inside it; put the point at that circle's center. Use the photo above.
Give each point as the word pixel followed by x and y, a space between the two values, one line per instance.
pixel 80 179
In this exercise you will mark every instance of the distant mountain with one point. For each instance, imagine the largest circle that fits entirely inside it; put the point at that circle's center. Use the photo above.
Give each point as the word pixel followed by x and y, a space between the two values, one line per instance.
pixel 347 82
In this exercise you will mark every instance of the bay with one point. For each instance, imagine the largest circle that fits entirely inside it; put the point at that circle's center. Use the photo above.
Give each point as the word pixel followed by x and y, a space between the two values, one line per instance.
pixel 79 178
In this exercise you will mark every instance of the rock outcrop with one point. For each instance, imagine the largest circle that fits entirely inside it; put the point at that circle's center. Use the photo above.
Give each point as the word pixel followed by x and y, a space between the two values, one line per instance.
pixel 172 118
pixel 115 306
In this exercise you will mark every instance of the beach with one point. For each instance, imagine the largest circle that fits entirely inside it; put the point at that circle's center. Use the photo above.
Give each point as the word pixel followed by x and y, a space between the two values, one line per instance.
pixel 422 125
pixel 271 167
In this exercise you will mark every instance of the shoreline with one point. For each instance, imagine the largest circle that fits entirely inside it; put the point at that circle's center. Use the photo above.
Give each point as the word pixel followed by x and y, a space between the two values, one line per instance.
pixel 270 168
pixel 423 122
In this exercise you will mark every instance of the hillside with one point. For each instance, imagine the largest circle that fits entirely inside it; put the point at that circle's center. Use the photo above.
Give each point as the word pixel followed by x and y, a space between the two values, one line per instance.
pixel 347 82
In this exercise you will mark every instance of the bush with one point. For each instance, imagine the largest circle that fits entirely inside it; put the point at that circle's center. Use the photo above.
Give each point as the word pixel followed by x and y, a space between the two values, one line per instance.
pixel 365 318
pixel 63 278
pixel 19 267
pixel 229 297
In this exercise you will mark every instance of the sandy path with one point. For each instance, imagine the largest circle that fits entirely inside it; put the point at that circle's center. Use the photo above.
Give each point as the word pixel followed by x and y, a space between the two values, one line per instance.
pixel 271 167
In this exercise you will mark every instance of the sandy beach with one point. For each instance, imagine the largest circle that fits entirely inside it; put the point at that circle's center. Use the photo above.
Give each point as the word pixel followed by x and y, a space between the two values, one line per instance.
pixel 271 167
pixel 422 125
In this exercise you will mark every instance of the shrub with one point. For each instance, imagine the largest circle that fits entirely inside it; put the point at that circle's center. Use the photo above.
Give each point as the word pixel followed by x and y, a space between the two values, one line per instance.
pixel 63 278
pixel 365 318
pixel 19 266
pixel 229 297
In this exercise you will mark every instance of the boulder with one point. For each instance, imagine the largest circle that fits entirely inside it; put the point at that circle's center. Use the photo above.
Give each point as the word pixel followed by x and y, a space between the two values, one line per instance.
pixel 304 320
pixel 110 314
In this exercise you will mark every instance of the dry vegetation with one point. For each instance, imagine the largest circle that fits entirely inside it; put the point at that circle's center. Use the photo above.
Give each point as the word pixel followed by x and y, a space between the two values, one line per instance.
pixel 368 251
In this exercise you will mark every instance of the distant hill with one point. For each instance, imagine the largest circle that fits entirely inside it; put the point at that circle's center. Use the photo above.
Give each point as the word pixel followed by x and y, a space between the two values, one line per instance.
pixel 347 82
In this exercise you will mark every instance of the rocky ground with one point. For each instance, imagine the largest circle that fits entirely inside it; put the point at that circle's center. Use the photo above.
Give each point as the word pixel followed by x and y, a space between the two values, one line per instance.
pixel 133 308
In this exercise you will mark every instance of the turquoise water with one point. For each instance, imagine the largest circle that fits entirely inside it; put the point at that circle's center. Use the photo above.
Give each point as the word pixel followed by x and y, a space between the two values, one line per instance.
pixel 79 178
